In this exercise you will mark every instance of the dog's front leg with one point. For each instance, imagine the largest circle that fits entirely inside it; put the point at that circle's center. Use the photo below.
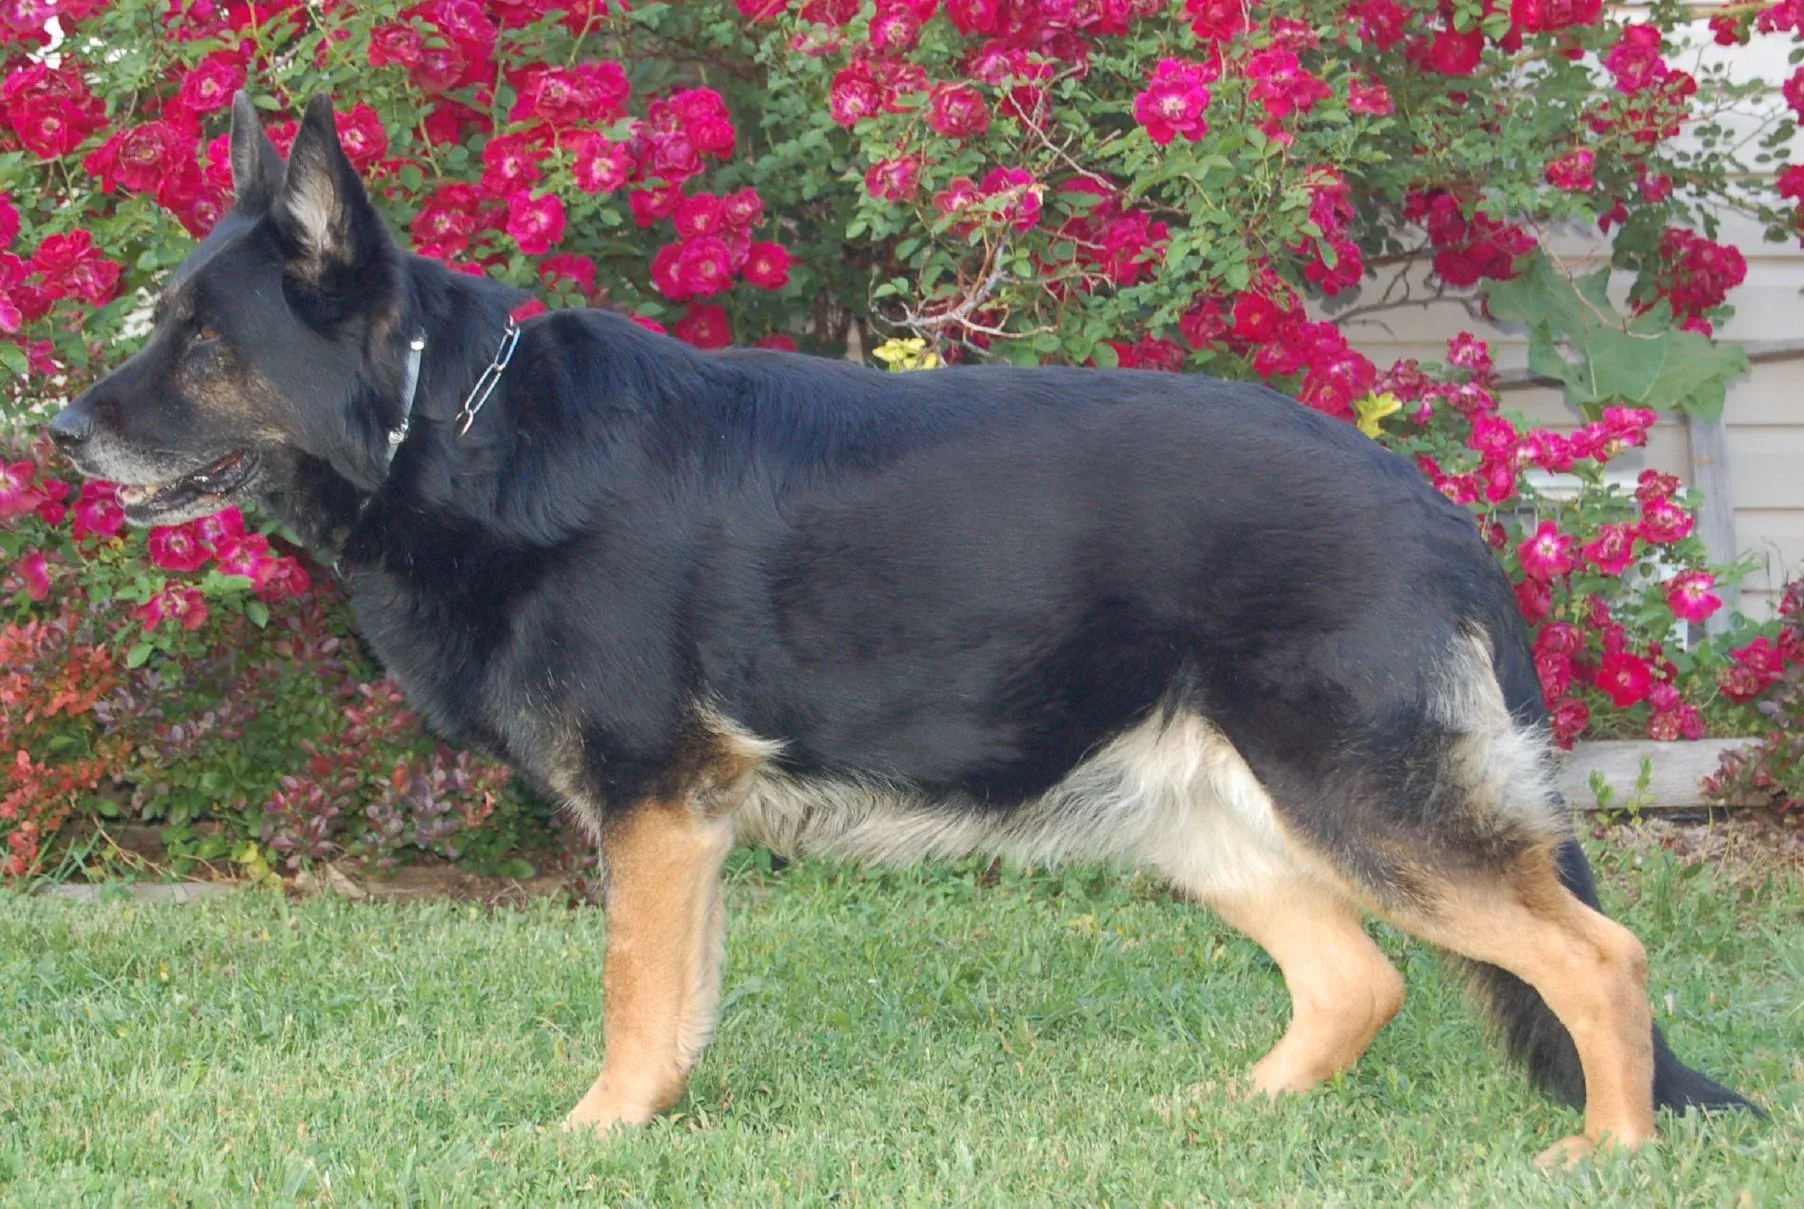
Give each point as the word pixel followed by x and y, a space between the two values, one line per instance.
pixel 666 930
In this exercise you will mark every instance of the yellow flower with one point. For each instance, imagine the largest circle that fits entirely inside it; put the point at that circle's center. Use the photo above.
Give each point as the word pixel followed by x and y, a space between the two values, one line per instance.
pixel 1374 408
pixel 906 354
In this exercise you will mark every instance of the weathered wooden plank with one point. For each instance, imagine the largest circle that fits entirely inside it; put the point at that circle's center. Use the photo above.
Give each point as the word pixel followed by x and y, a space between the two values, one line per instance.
pixel 1716 514
pixel 1677 770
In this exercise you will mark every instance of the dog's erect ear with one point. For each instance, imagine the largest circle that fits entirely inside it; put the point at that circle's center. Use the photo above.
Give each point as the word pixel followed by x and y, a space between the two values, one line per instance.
pixel 256 165
pixel 321 205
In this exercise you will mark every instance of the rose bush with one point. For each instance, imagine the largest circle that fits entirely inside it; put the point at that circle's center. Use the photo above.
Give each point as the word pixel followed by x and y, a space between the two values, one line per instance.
pixel 1770 672
pixel 1170 185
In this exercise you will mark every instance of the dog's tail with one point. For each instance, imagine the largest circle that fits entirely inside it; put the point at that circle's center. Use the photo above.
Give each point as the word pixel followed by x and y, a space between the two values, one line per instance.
pixel 1540 1042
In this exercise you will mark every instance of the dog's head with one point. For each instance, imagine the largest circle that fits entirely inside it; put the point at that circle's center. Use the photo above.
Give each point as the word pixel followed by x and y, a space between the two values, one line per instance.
pixel 272 347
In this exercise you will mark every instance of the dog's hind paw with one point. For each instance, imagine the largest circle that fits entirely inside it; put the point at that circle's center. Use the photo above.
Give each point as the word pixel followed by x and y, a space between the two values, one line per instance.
pixel 1568 1153
pixel 1565 1153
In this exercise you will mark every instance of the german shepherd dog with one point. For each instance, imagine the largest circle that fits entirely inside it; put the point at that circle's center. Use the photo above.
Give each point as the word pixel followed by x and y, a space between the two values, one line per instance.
pixel 1059 614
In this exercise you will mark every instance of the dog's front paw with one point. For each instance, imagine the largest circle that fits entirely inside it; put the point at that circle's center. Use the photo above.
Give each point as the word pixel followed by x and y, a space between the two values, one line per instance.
pixel 604 1109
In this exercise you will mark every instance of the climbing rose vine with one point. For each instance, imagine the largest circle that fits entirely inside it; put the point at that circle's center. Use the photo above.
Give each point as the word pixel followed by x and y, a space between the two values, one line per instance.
pixel 1193 185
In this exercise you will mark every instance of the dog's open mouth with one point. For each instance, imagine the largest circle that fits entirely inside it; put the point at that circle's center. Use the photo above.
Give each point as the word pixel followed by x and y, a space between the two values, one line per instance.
pixel 215 481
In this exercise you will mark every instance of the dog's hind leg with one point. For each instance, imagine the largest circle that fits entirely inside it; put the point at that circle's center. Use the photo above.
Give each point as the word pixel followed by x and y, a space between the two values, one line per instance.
pixel 1451 829
pixel 1589 970
pixel 666 928
pixel 1211 829
pixel 1342 987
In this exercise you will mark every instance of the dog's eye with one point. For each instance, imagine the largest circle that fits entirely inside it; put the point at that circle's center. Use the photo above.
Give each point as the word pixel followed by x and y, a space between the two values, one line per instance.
pixel 205 334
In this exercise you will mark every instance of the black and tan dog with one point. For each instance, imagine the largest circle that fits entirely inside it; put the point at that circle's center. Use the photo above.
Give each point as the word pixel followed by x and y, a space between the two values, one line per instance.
pixel 1058 614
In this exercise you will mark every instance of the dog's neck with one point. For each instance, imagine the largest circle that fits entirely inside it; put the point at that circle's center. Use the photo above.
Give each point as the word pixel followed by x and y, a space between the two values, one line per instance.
pixel 461 320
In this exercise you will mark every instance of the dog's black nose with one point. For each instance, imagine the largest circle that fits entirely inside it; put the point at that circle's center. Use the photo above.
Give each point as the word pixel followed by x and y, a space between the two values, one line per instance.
pixel 71 427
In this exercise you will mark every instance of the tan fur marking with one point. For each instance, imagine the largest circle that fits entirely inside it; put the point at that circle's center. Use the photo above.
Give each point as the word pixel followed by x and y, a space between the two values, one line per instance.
pixel 662 979
pixel 1591 971
pixel 1342 987
pixel 726 757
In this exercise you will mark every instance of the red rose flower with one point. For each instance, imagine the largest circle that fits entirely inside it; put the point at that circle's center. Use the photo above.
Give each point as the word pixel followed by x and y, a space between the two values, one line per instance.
pixel 184 605
pixel 361 135
pixel 536 224
pixel 511 164
pixel 742 208
pixel 1664 522
pixel 1576 171
pixel 1534 600
pixel 210 84
pixel 1256 318
pixel 602 165
pixel 699 214
pixel 1368 96
pixel 1217 20
pixel 767 266
pixel 1204 325
pixel 1546 16
pixel 1689 596
pixel 1451 53
pixel 1546 553
pixel 854 96
pixel 651 206
pixel 72 267
pixel 565 96
pixel 894 28
pixel 1625 678
pixel 220 530
pixel 701 115
pixel 978 18
pixel 957 111
pixel 19 495
pixel 1282 85
pixel 97 510
pixel 1612 551
pixel 898 179
pixel 1570 718
pixel 51 110
pixel 1174 101
pixel 579 271
pixel 1023 192
pixel 176 548
pixel 35 573
pixel 704 327
pixel 1635 60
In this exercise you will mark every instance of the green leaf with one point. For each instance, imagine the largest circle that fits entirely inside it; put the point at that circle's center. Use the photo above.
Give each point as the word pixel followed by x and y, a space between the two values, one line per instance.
pixel 258 612
pixel 139 653
pixel 13 357
pixel 1577 336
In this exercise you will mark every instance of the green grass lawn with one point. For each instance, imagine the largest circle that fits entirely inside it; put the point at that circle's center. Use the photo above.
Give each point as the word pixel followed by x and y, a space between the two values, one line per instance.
pixel 908 1037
